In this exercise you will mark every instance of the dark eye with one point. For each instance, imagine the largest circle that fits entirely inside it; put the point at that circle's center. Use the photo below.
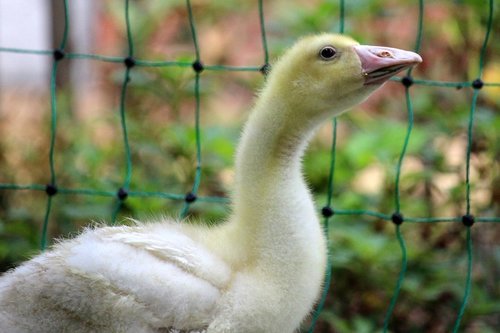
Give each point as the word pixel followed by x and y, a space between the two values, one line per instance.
pixel 327 53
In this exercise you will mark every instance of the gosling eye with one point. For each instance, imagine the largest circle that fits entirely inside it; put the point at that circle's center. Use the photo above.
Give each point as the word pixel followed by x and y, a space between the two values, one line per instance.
pixel 327 53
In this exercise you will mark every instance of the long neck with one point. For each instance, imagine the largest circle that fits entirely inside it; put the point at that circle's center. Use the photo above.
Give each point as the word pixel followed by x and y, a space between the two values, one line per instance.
pixel 269 154
pixel 274 222
pixel 271 199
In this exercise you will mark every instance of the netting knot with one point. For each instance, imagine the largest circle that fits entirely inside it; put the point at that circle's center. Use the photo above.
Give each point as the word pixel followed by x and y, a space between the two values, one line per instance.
pixel 122 194
pixel 477 84
pixel 58 54
pixel 468 220
pixel 129 62
pixel 51 190
pixel 327 212
pixel 265 69
pixel 407 81
pixel 198 66
pixel 190 197
pixel 397 218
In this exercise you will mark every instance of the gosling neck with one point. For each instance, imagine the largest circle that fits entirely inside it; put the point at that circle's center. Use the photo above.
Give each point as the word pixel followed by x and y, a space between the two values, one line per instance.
pixel 268 162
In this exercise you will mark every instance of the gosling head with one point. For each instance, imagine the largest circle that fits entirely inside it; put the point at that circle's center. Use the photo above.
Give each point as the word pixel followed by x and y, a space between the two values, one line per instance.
pixel 327 74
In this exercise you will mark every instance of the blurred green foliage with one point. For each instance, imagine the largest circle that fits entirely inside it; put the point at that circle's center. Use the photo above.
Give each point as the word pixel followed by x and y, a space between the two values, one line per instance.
pixel 365 253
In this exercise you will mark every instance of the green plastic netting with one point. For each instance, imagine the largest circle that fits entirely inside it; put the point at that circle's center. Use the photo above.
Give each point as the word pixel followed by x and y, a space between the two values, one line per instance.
pixel 330 210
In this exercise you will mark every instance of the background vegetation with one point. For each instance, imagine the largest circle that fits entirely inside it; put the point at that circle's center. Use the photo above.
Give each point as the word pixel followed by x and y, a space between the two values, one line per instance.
pixel 160 114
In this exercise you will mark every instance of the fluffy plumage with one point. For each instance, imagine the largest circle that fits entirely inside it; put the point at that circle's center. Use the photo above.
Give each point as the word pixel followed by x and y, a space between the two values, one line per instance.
pixel 260 271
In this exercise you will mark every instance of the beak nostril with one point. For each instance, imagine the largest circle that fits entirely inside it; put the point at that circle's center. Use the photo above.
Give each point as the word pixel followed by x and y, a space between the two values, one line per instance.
pixel 385 54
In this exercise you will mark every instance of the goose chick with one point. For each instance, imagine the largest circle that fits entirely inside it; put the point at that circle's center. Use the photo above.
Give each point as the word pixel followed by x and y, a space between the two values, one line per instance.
pixel 260 271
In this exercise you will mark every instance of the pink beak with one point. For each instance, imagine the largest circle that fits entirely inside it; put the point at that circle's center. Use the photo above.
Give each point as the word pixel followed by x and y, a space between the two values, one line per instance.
pixel 380 63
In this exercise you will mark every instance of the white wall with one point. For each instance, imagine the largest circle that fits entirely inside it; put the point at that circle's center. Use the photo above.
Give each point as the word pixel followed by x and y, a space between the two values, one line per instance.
pixel 25 24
